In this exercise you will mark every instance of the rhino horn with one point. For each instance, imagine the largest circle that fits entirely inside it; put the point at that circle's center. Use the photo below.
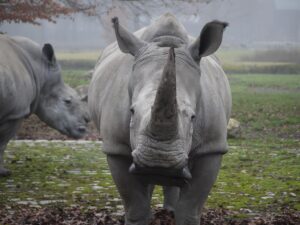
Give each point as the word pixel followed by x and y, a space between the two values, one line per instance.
pixel 164 113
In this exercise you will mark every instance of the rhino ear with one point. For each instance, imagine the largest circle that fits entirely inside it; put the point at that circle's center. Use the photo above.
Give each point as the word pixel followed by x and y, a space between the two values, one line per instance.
pixel 128 43
pixel 84 98
pixel 48 51
pixel 209 40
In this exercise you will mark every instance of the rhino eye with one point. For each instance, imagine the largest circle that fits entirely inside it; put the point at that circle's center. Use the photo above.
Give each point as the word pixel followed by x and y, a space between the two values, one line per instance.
pixel 132 110
pixel 193 117
pixel 67 101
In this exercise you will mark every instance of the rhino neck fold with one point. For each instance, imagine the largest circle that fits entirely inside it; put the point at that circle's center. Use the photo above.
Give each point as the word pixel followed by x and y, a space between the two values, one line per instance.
pixel 164 114
pixel 35 72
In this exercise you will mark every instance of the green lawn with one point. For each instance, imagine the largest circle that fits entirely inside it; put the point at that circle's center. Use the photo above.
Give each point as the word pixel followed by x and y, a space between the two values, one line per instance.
pixel 258 175
pixel 262 61
pixel 267 104
pixel 78 60
pixel 234 61
pixel 82 55
pixel 75 77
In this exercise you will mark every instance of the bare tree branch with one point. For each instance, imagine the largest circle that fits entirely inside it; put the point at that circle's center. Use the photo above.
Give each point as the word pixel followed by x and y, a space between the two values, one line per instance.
pixel 30 11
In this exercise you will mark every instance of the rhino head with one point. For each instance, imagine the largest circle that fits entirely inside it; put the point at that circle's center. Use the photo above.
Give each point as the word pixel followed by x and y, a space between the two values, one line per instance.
pixel 58 104
pixel 164 91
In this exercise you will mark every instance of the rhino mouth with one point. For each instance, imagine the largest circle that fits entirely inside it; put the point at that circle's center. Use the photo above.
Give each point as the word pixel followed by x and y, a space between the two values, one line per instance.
pixel 155 154
pixel 77 132
pixel 162 176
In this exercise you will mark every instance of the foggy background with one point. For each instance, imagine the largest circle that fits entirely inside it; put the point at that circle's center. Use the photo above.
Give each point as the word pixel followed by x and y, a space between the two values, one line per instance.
pixel 252 24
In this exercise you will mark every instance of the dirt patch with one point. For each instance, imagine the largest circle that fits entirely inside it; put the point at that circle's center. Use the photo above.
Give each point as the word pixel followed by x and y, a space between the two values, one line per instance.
pixel 33 128
pixel 78 216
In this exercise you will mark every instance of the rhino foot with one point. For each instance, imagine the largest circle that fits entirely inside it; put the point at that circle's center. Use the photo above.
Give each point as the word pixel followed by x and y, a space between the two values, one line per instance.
pixel 4 172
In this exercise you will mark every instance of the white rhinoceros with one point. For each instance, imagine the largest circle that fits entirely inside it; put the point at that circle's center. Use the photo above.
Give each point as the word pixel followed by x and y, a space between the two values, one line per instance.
pixel 31 82
pixel 162 108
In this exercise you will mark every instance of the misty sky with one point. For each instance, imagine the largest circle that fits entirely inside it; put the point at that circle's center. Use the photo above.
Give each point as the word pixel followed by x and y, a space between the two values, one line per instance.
pixel 253 23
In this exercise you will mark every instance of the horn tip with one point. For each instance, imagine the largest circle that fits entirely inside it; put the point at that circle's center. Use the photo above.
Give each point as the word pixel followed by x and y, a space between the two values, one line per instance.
pixel 225 24
pixel 219 23
pixel 115 20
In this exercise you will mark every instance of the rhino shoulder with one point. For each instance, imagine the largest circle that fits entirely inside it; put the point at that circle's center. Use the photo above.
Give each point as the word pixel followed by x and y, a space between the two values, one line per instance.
pixel 13 105
pixel 16 84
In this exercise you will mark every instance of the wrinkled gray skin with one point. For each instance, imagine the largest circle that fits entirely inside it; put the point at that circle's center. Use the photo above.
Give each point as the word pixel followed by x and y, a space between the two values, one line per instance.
pixel 31 82
pixel 162 117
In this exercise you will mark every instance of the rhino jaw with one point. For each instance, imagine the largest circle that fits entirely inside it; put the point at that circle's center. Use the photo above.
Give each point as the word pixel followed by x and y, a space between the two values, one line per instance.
pixel 162 176
pixel 151 152
pixel 80 132
pixel 76 133
pixel 160 162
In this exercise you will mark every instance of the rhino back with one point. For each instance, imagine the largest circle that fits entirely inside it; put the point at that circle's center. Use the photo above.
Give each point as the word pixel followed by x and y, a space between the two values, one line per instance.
pixel 17 88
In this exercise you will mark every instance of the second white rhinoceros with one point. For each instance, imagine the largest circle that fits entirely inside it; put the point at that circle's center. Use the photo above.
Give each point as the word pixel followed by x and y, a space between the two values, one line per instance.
pixel 31 82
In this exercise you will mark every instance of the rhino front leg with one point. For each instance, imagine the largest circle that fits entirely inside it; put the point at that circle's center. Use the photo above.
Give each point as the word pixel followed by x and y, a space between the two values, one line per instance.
pixel 7 131
pixel 135 194
pixel 193 196
pixel 171 196
pixel 3 171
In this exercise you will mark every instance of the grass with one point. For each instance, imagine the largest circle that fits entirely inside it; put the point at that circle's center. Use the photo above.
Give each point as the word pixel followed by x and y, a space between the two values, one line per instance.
pixel 234 61
pixel 277 54
pixel 262 61
pixel 267 105
pixel 57 173
pixel 261 67
pixel 75 77
pixel 78 60
pixel 259 175
pixel 233 55
pixel 83 55
pixel 68 174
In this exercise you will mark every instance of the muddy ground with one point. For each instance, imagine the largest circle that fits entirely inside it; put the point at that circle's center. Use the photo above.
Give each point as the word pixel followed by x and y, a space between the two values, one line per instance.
pixel 80 216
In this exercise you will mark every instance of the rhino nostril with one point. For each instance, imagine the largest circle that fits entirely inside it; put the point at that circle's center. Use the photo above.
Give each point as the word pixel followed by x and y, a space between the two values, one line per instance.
pixel 82 129
pixel 87 119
